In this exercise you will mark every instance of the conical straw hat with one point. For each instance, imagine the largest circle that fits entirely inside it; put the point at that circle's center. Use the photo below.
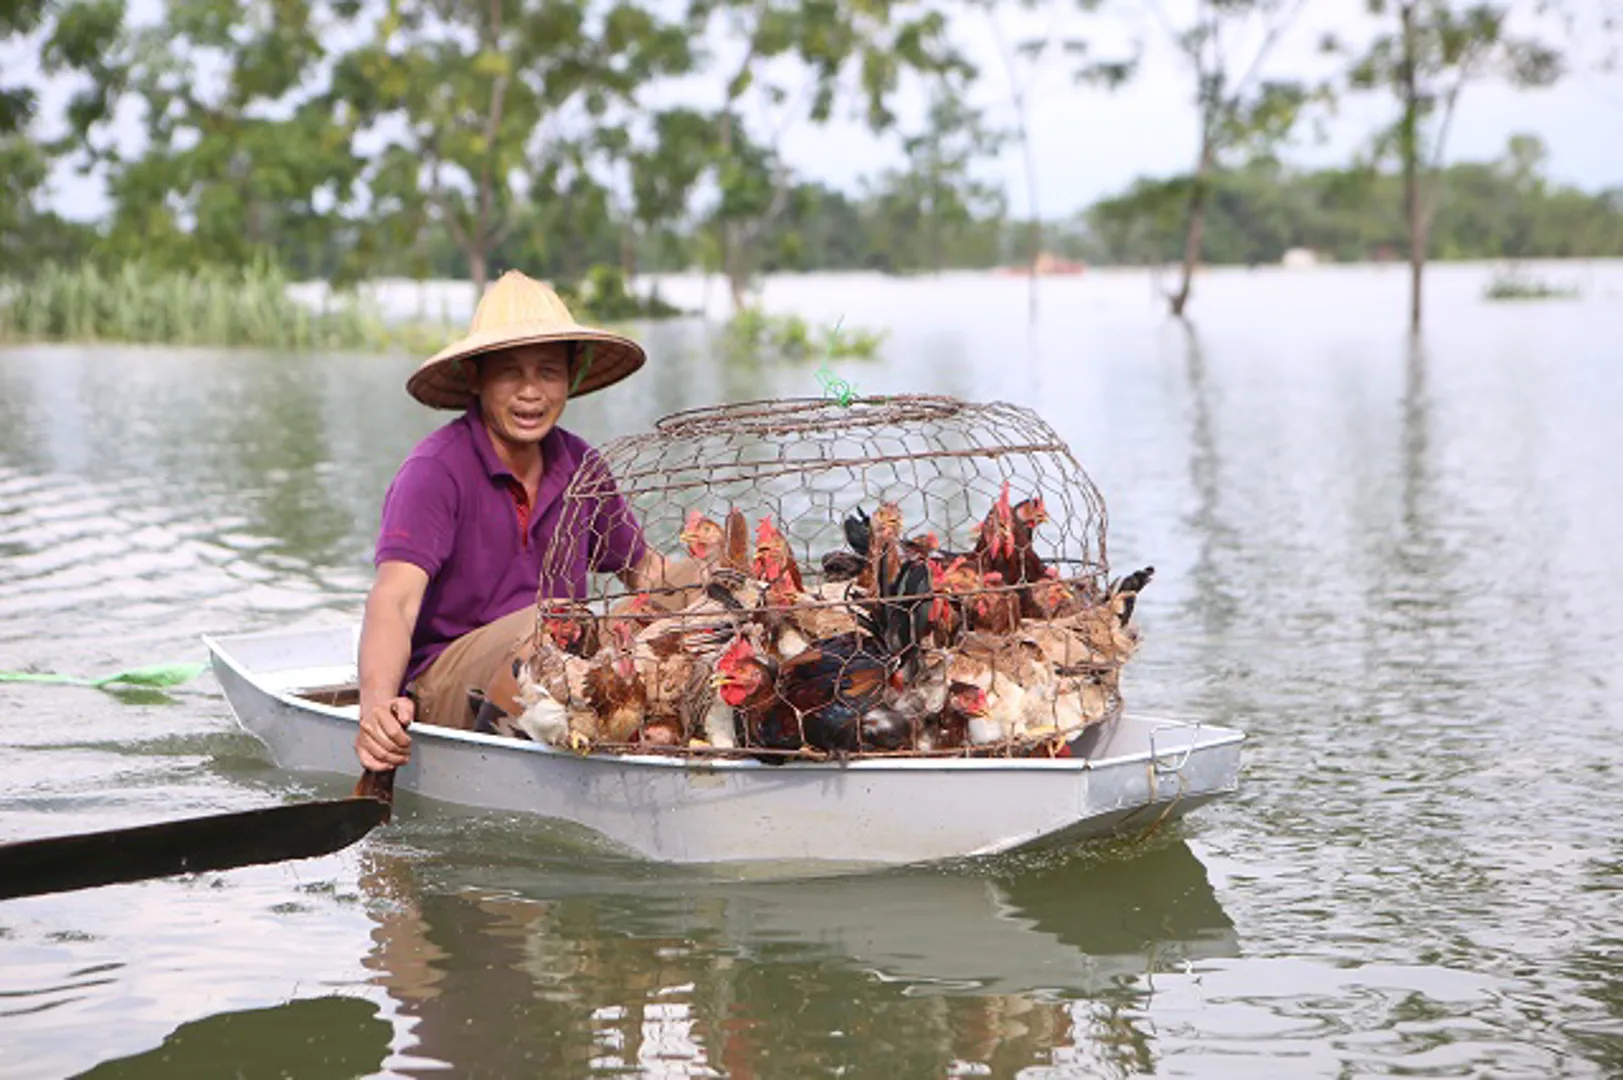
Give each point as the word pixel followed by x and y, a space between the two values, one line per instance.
pixel 518 310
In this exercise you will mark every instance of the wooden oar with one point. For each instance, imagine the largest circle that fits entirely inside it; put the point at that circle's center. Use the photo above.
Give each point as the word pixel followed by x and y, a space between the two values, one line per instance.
pixel 215 842
pixel 379 785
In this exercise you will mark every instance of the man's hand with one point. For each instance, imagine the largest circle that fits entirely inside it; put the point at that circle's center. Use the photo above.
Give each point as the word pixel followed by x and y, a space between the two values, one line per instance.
pixel 385 649
pixel 383 742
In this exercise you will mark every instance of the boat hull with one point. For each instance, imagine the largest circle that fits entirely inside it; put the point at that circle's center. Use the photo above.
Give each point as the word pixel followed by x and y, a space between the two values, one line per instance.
pixel 678 810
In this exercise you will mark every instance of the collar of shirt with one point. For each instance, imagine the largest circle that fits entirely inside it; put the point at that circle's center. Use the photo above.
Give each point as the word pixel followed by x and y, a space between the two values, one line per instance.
pixel 557 467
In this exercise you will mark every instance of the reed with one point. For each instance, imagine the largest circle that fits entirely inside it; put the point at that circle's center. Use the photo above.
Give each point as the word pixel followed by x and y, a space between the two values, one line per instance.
pixel 217 306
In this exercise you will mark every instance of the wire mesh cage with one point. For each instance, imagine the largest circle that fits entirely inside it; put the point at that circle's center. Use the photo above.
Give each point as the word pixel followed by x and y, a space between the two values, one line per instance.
pixel 798 578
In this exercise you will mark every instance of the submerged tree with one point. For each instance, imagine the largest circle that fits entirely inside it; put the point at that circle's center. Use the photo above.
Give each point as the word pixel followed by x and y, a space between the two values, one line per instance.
pixel 938 186
pixel 1434 50
pixel 1238 109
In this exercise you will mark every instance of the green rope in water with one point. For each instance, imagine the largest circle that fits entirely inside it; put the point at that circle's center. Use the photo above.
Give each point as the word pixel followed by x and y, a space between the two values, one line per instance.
pixel 153 675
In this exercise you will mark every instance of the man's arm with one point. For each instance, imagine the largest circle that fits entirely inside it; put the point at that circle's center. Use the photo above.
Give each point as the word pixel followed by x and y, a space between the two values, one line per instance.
pixel 647 573
pixel 385 650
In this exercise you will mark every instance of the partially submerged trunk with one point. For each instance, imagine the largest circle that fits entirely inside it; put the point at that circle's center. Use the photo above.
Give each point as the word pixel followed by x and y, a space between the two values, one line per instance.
pixel 478 270
pixel 628 252
pixel 1196 232
pixel 1414 211
pixel 735 266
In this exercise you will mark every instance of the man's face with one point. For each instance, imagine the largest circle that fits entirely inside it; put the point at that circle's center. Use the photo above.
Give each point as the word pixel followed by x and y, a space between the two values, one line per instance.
pixel 522 390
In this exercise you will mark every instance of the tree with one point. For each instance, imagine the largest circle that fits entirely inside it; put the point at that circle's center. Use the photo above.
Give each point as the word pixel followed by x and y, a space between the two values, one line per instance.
pixel 1238 109
pixel 470 98
pixel 938 189
pixel 240 158
pixel 18 18
pixel 69 37
pixel 1022 61
pixel 791 61
pixel 1426 60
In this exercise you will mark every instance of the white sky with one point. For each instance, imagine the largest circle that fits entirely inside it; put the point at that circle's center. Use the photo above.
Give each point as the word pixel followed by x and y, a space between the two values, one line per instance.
pixel 1090 143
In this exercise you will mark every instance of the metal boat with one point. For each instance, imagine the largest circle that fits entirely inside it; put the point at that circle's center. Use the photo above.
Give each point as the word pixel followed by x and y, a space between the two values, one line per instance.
pixel 1123 777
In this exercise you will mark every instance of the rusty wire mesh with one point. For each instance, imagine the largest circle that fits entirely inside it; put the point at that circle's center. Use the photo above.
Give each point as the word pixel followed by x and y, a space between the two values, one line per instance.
pixel 802 469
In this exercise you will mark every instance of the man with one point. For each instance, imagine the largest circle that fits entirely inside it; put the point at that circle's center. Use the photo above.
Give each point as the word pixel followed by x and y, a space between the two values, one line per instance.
pixel 476 506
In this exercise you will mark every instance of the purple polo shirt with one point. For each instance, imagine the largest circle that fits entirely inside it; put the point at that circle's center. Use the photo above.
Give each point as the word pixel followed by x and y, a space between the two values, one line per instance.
pixel 453 511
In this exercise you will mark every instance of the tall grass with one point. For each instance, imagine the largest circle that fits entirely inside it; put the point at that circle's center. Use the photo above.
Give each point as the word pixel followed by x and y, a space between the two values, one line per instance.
pixel 207 306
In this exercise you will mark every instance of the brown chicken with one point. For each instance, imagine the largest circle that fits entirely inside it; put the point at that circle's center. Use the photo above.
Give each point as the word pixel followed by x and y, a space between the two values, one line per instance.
pixel 884 547
pixel 966 598
pixel 1010 672
pixel 684 577
pixel 949 728
pixel 614 687
pixel 775 564
pixel 550 699
pixel 735 542
pixel 1005 545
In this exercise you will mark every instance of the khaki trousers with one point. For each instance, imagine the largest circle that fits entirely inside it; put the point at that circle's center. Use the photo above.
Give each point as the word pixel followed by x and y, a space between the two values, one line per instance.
pixel 475 661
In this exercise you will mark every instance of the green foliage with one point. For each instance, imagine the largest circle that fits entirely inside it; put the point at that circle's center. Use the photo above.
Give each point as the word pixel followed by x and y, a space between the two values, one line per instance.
pixel 1520 285
pixel 753 332
pixel 213 306
pixel 604 297
pixel 17 17
pixel 1500 210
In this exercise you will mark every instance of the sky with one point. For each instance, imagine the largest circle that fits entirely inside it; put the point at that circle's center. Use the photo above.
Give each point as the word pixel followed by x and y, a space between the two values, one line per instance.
pixel 1089 143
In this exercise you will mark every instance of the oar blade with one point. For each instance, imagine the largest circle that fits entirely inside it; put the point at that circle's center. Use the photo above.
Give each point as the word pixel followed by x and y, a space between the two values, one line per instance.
pixel 189 846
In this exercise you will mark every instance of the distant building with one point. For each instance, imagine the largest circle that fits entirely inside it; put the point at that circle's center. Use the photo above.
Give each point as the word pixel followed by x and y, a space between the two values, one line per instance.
pixel 1047 264
pixel 1299 258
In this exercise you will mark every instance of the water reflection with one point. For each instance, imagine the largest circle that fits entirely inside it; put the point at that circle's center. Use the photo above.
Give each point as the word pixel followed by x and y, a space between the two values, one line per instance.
pixel 534 970
pixel 312 1039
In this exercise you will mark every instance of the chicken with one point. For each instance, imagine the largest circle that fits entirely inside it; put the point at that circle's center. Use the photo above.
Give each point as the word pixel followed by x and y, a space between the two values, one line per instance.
pixel 968 599
pixel 843 566
pixel 735 542
pixel 819 698
pixel 826 611
pixel 614 687
pixel 948 728
pixel 1004 545
pixel 675 684
pixel 831 685
pixel 683 577
pixel 1093 638
pixel 1008 671
pixel 775 564
pixel 1079 700
pixel 571 625
pixel 877 541
pixel 1055 598
pixel 992 610
pixel 926 694
pixel 674 658
pixel 900 621
pixel 746 681
pixel 1123 594
pixel 550 689
pixel 564 630
pixel 716 725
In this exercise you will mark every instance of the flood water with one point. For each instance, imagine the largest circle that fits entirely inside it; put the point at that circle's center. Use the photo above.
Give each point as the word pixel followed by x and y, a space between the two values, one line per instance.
pixel 1394 566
